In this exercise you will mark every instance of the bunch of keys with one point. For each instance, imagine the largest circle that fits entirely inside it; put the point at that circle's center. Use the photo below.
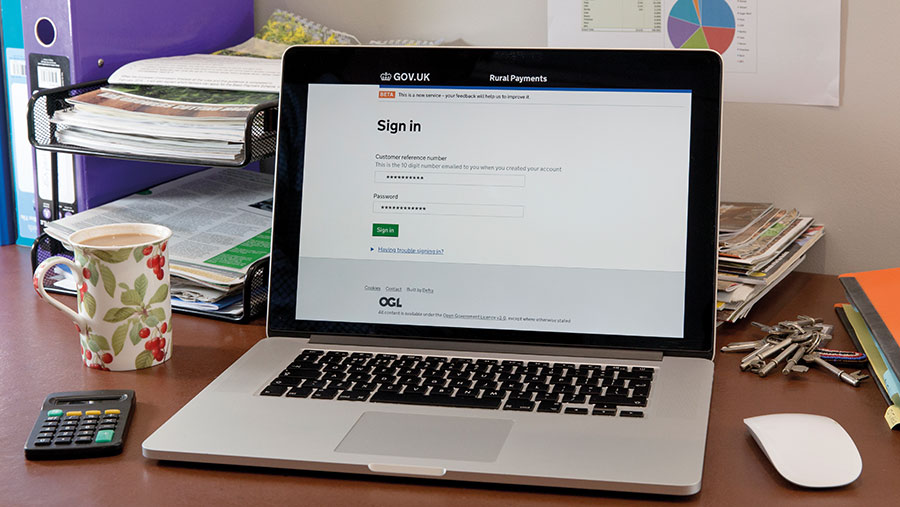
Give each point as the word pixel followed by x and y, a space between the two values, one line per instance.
pixel 794 341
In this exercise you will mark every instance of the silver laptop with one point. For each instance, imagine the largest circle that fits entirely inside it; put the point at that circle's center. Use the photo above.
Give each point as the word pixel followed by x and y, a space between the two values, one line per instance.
pixel 492 265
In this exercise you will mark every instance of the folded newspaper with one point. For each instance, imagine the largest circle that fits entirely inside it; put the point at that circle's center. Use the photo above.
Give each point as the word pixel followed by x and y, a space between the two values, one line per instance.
pixel 221 223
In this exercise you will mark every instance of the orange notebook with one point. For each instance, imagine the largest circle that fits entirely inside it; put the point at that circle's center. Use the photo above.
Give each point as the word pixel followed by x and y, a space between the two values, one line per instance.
pixel 876 294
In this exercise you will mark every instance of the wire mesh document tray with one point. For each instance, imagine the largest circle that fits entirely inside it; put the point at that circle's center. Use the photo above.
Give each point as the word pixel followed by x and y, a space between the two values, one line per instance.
pixel 254 296
pixel 259 133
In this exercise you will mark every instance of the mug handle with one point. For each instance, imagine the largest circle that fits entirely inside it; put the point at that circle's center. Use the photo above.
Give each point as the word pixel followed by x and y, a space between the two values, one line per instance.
pixel 39 273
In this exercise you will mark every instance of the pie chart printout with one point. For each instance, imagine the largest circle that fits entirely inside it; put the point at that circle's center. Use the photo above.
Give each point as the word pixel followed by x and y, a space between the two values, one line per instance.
pixel 706 24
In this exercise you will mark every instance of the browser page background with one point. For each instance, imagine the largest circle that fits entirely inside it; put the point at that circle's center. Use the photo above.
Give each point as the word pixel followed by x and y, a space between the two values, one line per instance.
pixel 522 209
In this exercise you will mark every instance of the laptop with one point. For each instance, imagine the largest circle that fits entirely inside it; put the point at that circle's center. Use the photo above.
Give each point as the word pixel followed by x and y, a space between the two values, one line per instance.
pixel 491 265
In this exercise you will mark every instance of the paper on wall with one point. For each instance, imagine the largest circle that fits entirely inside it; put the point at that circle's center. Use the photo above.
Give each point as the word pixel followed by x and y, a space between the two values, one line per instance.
pixel 773 51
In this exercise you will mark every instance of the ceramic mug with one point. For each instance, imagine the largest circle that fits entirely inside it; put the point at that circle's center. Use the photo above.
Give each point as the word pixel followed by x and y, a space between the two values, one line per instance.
pixel 124 310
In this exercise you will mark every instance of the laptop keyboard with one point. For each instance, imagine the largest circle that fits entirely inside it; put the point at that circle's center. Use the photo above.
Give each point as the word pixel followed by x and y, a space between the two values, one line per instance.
pixel 524 386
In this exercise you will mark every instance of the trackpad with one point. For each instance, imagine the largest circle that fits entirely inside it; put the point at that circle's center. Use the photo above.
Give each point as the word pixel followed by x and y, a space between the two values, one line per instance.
pixel 427 436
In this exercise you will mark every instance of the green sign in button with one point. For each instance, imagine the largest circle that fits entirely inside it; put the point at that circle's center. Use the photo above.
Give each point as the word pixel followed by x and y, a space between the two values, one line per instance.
pixel 389 230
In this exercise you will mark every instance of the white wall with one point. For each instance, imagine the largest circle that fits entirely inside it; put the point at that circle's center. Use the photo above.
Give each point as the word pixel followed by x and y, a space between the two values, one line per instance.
pixel 482 22
pixel 837 164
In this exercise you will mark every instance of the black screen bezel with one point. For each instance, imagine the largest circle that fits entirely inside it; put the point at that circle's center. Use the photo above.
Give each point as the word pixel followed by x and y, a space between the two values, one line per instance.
pixel 699 71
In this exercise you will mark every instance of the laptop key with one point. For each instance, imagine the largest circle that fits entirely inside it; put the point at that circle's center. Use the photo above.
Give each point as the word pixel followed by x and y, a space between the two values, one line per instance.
pixel 618 400
pixel 300 392
pixel 576 410
pixel 549 406
pixel 574 398
pixel 487 385
pixel 304 373
pixel 537 387
pixel 631 413
pixel 641 392
pixel 546 397
pixel 274 390
pixel 519 405
pixel 390 388
pixel 637 402
pixel 416 389
pixel 440 401
pixel 464 375
pixel 354 395
pixel 303 365
pixel 325 394
pixel 603 411
pixel 608 400
pixel 617 391
pixel 409 381
pixel 512 386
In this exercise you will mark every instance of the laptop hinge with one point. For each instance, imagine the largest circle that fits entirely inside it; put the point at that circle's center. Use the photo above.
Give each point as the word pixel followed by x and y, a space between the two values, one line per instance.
pixel 462 346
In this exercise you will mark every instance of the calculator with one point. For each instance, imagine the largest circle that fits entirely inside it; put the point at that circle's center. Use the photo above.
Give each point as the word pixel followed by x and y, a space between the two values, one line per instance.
pixel 80 424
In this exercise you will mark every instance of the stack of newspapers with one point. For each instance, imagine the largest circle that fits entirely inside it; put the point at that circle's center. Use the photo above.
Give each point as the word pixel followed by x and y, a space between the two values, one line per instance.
pixel 221 223
pixel 759 245
pixel 194 107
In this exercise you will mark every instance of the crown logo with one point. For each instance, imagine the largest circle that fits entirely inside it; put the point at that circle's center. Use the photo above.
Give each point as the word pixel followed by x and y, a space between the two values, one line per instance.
pixel 385 76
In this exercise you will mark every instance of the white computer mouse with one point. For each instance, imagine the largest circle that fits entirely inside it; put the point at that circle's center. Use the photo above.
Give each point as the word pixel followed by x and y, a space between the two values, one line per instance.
pixel 809 450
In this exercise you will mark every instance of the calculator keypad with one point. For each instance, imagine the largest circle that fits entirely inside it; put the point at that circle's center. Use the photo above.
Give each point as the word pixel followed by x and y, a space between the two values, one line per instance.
pixel 76 428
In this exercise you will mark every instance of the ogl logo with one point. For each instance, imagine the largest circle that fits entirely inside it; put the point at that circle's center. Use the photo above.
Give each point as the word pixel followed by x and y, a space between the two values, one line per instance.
pixel 390 302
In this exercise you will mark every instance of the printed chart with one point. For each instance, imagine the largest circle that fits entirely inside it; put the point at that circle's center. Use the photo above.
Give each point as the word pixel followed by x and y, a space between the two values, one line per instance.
pixel 706 24
pixel 774 51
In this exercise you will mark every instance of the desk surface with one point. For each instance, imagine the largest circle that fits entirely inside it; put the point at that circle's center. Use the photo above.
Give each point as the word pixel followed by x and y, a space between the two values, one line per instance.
pixel 39 354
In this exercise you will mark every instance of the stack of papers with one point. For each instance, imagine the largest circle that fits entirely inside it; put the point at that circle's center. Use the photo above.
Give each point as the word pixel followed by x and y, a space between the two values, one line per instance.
pixel 759 245
pixel 221 220
pixel 195 107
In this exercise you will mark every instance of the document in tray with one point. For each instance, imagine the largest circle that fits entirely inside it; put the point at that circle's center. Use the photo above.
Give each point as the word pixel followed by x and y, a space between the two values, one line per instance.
pixel 217 72
pixel 221 219
pixel 158 121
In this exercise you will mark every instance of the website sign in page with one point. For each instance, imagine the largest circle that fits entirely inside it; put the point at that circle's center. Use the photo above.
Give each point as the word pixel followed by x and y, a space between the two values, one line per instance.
pixel 524 209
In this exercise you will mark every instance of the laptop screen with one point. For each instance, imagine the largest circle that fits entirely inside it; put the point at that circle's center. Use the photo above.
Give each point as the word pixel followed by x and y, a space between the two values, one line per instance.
pixel 504 195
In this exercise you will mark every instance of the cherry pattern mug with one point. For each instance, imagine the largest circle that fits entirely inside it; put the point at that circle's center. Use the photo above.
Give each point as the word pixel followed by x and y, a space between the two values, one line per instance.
pixel 124 310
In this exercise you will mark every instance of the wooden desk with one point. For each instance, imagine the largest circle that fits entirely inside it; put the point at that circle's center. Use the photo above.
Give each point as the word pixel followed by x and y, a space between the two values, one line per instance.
pixel 39 354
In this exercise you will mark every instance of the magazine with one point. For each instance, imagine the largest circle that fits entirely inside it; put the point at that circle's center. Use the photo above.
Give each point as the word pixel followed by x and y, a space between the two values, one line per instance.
pixel 156 121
